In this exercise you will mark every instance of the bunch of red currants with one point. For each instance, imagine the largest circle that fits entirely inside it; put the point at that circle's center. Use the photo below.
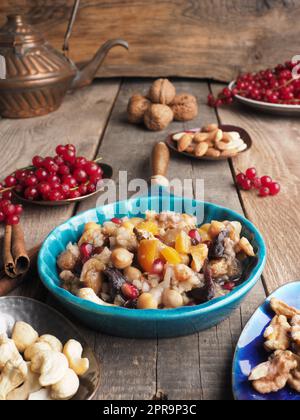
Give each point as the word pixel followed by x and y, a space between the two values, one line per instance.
pixel 265 185
pixel 57 178
pixel 276 86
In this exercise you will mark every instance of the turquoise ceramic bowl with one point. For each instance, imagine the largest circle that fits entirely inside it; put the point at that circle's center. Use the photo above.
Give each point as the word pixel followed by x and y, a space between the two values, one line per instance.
pixel 145 323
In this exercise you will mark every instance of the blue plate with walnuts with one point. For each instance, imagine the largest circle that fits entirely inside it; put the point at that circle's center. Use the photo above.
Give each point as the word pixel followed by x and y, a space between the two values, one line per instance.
pixel 250 350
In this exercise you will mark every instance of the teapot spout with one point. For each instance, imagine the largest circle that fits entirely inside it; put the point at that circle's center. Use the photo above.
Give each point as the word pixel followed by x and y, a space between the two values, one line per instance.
pixel 85 76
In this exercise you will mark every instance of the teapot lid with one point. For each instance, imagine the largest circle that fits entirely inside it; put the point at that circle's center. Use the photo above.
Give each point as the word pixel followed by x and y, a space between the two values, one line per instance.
pixel 17 32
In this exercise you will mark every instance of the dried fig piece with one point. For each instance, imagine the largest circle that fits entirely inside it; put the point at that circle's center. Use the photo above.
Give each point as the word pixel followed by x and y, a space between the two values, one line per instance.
pixel 205 293
pixel 137 106
pixel 218 248
pixel 273 375
pixel 281 308
pixel 277 334
pixel 158 117
pixel 162 91
pixel 115 279
pixel 92 275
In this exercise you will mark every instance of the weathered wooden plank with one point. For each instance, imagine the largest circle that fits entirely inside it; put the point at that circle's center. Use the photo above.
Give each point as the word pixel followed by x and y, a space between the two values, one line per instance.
pixel 274 153
pixel 81 121
pixel 177 37
pixel 191 367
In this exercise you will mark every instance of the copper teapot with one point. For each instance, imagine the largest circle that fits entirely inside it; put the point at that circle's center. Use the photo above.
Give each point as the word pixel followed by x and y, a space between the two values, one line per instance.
pixel 37 76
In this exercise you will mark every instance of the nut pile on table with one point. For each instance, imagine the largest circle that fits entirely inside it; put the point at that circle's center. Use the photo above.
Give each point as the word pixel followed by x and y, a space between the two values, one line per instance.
pixel 39 368
pixel 161 106
pixel 211 141
pixel 283 341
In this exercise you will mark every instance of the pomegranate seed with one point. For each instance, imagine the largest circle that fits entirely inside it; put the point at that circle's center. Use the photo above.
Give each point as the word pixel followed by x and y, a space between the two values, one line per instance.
pixel 129 291
pixel 86 251
pixel 195 236
pixel 229 286
pixel 117 221
pixel 158 267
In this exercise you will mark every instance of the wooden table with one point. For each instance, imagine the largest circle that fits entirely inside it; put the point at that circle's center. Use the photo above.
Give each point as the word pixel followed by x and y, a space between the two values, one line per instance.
pixel 94 119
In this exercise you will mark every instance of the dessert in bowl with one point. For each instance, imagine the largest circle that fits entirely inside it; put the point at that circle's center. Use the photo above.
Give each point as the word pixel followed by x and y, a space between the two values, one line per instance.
pixel 102 264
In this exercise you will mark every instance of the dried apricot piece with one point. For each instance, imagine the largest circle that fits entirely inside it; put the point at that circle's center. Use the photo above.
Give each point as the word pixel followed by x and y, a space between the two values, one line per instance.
pixel 170 255
pixel 149 226
pixel 199 255
pixel 183 243
pixel 148 252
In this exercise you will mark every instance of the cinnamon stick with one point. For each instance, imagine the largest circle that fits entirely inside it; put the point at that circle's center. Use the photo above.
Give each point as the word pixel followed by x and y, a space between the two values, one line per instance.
pixel 8 284
pixel 16 259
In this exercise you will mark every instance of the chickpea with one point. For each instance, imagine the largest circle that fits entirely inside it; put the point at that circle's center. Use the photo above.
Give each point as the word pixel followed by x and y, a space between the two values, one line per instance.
pixel 146 301
pixel 121 258
pixel 172 299
pixel 132 273
pixel 67 261
pixel 91 226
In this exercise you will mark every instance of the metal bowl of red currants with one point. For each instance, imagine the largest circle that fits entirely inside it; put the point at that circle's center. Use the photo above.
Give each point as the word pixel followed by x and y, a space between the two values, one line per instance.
pixel 57 181
pixel 272 90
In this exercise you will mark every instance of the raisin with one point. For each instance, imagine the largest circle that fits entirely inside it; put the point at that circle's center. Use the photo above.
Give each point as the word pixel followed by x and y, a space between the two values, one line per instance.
pixel 115 279
pixel 205 293
pixel 217 249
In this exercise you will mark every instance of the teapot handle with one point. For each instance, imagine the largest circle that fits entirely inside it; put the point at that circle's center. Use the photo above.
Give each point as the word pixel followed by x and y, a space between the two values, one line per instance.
pixel 70 27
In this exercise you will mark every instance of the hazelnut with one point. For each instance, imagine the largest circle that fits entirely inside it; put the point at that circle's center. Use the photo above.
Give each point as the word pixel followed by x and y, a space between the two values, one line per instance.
pixel 184 107
pixel 162 91
pixel 136 109
pixel 121 258
pixel 158 117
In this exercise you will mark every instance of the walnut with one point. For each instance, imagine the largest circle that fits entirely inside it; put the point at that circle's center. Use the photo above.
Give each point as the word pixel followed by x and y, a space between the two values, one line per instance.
pixel 294 378
pixel 158 117
pixel 277 334
pixel 67 261
pixel 295 331
pixel 273 375
pixel 281 308
pixel 92 275
pixel 162 91
pixel 137 106
pixel 185 107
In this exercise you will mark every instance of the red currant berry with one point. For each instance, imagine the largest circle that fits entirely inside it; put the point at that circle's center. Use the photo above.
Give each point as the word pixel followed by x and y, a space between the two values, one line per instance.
pixel 91 188
pixel 274 188
pixel 31 193
pixel 44 188
pixel 80 162
pixel 41 174
pixel 2 217
pixel 69 156
pixel 54 195
pixel 65 189
pixel 10 181
pixel 266 181
pixel 64 170
pixel 256 182
pixel 18 209
pixel 4 203
pixel 7 195
pixel 91 168
pixel 80 175
pixel 246 185
pixel 74 194
pixel 240 178
pixel 195 236
pixel 71 147
pixel 82 189
pixel 251 173
pixel 70 180
pixel 9 210
pixel 58 160
pixel 264 192
pixel 158 267
pixel 31 181
pixel 37 161
pixel 12 220
pixel 229 286
pixel 60 149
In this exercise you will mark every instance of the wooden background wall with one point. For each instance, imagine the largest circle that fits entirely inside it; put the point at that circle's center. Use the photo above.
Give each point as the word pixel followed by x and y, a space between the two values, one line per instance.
pixel 197 38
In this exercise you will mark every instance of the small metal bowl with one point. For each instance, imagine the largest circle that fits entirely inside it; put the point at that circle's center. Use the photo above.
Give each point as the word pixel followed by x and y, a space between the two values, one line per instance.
pixel 107 174
pixel 46 320
pixel 226 128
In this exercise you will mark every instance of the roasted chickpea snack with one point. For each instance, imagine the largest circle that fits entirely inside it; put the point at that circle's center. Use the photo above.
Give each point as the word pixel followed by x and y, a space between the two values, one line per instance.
pixel 161 262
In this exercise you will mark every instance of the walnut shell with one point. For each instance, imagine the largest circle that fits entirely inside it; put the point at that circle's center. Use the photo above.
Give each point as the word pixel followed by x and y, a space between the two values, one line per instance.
pixel 184 107
pixel 158 117
pixel 162 91
pixel 136 109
